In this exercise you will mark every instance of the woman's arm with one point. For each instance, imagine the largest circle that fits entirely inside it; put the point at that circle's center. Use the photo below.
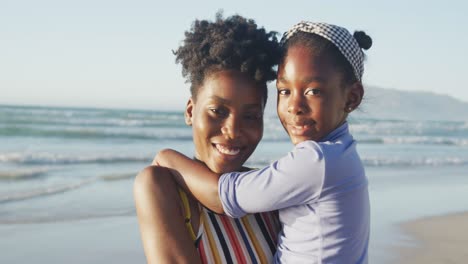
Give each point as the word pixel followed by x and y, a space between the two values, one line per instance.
pixel 193 176
pixel 161 221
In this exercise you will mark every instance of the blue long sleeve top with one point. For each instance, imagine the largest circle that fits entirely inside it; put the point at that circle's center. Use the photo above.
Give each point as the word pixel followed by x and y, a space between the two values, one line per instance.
pixel 320 190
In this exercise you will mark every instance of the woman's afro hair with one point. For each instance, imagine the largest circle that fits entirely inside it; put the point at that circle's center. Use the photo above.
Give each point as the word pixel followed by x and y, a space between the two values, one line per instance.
pixel 234 43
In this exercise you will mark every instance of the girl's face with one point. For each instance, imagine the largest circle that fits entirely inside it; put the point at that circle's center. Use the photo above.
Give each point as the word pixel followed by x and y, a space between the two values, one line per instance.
pixel 312 100
pixel 227 120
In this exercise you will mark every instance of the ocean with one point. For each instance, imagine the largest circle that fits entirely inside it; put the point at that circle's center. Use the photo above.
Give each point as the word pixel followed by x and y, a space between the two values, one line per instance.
pixel 66 164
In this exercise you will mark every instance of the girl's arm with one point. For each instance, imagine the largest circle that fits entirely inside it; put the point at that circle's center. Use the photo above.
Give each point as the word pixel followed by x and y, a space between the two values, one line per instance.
pixel 194 177
pixel 295 179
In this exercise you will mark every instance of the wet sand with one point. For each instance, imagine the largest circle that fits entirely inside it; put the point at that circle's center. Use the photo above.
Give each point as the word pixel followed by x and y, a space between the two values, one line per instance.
pixel 441 239
pixel 93 241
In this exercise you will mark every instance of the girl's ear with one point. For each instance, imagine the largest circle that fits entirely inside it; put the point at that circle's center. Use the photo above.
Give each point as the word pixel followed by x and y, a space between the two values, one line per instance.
pixel 189 112
pixel 354 97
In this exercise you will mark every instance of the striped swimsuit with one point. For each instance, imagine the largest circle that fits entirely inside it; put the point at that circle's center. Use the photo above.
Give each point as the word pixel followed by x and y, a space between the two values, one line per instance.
pixel 250 239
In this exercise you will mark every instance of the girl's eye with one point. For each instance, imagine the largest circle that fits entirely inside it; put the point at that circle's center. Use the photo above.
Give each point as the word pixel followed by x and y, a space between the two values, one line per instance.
pixel 314 91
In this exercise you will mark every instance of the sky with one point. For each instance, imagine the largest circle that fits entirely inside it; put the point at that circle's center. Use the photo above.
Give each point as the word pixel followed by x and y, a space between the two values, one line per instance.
pixel 118 54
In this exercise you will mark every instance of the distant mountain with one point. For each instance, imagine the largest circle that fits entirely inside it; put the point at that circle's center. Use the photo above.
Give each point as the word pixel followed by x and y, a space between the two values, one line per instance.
pixel 406 105
pixel 382 103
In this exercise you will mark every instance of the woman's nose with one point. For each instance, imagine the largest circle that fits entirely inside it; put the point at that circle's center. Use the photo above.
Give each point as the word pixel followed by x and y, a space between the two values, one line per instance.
pixel 231 127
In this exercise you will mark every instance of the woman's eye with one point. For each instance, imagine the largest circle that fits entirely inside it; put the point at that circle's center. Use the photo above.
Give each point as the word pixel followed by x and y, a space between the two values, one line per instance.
pixel 253 116
pixel 218 111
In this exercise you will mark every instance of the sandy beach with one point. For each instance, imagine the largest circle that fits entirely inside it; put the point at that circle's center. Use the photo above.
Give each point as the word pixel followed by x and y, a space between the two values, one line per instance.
pixel 93 241
pixel 440 239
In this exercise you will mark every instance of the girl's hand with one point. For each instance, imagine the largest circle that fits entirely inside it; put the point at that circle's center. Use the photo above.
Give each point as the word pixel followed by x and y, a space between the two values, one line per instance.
pixel 193 176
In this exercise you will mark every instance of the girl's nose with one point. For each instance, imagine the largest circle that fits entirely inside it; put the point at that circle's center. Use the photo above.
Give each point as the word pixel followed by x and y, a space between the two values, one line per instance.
pixel 296 104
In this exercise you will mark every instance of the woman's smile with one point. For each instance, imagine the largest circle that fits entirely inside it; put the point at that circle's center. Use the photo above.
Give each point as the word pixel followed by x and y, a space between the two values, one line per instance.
pixel 230 151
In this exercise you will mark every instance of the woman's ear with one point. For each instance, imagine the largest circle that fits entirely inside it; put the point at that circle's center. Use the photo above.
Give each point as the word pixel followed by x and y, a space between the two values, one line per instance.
pixel 189 112
pixel 354 97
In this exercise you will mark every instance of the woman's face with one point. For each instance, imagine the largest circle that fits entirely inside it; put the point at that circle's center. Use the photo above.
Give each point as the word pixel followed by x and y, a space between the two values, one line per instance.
pixel 226 119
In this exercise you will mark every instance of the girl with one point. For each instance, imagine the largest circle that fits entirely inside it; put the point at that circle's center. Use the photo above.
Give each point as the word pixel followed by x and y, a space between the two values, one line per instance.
pixel 319 187
pixel 228 62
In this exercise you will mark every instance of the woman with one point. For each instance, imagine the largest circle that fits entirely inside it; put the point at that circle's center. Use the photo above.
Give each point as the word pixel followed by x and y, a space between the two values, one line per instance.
pixel 228 63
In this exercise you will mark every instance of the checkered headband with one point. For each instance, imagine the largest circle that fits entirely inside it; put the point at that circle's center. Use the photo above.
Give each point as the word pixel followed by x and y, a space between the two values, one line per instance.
pixel 340 37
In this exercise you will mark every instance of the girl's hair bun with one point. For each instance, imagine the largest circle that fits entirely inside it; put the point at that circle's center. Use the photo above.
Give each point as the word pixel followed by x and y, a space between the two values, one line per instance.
pixel 364 41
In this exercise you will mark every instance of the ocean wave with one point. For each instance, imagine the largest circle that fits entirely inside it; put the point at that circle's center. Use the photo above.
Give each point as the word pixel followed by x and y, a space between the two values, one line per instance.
pixel 90 117
pixel 65 217
pixel 462 142
pixel 424 161
pixel 411 128
pixel 95 122
pixel 90 133
pixel 118 176
pixel 23 174
pixel 62 188
pixel 40 192
pixel 46 158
